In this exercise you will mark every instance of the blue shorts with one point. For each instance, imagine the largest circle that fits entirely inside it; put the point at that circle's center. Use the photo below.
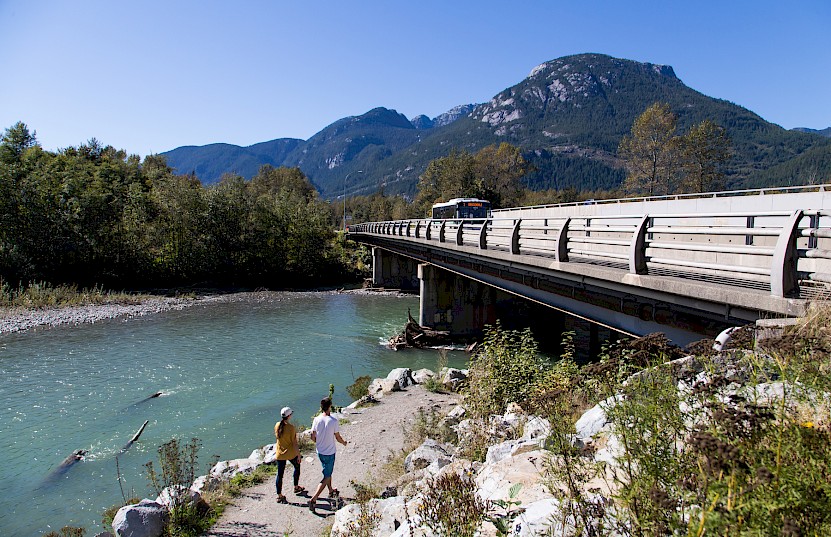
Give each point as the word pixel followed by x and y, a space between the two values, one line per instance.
pixel 328 462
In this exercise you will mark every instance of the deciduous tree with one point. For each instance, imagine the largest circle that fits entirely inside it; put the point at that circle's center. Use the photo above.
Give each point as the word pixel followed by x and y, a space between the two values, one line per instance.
pixel 706 152
pixel 651 152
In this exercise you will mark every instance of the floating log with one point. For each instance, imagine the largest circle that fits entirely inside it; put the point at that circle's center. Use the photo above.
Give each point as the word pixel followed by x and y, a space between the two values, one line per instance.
pixel 135 436
pixel 63 467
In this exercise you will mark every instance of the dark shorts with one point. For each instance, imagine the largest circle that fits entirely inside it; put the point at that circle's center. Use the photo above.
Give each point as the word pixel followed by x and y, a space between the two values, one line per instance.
pixel 328 462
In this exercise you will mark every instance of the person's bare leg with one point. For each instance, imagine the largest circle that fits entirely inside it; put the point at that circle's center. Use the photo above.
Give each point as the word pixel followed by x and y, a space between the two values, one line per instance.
pixel 327 481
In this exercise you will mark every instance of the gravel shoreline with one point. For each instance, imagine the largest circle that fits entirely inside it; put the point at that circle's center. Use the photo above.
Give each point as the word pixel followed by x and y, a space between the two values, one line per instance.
pixel 14 320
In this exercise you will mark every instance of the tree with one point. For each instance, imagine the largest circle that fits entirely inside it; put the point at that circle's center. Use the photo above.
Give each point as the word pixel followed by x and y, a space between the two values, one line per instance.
pixel 493 174
pixel 706 151
pixel 651 153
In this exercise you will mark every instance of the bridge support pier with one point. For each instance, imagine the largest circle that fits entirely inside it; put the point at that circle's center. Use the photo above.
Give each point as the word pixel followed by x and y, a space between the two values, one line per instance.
pixel 451 302
pixel 394 271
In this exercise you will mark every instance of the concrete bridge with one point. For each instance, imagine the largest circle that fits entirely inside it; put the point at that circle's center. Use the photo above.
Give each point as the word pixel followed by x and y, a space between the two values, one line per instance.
pixel 686 265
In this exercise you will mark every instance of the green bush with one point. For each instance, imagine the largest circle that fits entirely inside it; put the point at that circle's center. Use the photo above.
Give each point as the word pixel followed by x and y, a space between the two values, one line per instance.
pixel 506 368
pixel 360 387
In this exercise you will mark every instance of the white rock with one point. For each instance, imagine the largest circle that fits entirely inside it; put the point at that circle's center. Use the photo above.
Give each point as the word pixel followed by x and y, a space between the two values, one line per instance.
pixel 425 454
pixel 594 419
pixel 510 448
pixel 190 496
pixel 537 517
pixel 536 427
pixel 145 519
pixel 228 469
pixel 457 413
pixel 495 480
pixel 391 511
pixel 380 387
pixel 421 376
pixel 404 376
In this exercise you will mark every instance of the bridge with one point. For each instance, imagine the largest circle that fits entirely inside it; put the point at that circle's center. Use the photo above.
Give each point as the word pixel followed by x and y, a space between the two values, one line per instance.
pixel 686 265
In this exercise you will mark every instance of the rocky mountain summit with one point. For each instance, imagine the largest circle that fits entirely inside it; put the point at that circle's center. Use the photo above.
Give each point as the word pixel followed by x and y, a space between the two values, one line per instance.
pixel 568 117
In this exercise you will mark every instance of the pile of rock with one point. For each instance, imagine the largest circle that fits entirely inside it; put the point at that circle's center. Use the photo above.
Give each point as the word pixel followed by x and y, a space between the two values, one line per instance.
pixel 398 379
pixel 519 458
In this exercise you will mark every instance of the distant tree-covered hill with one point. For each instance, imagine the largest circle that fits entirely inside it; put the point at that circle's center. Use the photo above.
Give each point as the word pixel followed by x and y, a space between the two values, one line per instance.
pixel 567 116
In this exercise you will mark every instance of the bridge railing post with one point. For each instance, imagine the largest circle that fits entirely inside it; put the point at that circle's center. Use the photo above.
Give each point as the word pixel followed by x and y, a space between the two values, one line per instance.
pixel 418 229
pixel 441 230
pixel 561 255
pixel 428 230
pixel 637 248
pixel 515 237
pixel 460 234
pixel 483 235
pixel 783 276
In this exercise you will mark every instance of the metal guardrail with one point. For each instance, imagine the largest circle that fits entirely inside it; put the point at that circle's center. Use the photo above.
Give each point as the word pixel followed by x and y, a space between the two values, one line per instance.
pixel 676 197
pixel 785 253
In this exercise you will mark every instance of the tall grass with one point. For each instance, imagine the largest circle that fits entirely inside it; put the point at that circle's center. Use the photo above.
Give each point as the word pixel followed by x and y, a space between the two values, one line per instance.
pixel 43 294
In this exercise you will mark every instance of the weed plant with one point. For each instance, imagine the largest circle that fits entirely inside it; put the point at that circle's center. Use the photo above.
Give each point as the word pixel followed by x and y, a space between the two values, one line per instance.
pixel 359 388
pixel 43 294
pixel 177 471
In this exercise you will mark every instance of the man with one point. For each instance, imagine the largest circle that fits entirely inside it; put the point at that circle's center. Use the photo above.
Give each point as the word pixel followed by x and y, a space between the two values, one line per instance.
pixel 325 431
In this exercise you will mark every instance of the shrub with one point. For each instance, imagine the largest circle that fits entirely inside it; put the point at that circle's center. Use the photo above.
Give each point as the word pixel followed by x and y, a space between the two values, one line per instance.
pixel 451 506
pixel 178 469
pixel 360 387
pixel 505 369
pixel 67 531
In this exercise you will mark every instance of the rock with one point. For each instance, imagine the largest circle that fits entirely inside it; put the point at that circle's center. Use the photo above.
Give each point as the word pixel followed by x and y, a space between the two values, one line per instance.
pixel 391 511
pixel 421 376
pixel 264 455
pixel 190 497
pixel 380 387
pixel 515 409
pixel 104 534
pixel 404 376
pixel 537 518
pixel 144 519
pixel 425 454
pixel 457 413
pixel 495 480
pixel 363 401
pixel 452 377
pixel 594 419
pixel 510 448
pixel 228 469
pixel 536 427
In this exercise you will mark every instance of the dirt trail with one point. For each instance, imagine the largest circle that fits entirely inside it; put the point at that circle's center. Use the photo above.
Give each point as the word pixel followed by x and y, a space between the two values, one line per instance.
pixel 373 433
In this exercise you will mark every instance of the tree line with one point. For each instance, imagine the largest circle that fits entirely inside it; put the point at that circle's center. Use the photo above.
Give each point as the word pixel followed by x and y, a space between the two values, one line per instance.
pixel 94 215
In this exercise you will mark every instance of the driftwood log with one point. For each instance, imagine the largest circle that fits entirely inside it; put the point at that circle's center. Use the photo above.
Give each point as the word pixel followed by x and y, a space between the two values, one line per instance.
pixel 135 437
pixel 417 336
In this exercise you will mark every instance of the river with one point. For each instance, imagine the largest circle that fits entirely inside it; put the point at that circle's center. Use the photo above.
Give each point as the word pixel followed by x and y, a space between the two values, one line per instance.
pixel 225 369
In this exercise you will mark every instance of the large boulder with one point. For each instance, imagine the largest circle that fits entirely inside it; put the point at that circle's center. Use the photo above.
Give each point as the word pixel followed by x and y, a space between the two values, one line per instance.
pixel 144 519
pixel 390 510
pixel 228 469
pixel 381 387
pixel 186 496
pixel 404 376
pixel 452 377
pixel 420 376
pixel 265 455
pixel 426 454
pixel 594 419
pixel 495 480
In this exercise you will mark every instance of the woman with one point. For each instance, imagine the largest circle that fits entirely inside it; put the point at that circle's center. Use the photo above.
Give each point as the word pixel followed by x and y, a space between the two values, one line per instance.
pixel 287 450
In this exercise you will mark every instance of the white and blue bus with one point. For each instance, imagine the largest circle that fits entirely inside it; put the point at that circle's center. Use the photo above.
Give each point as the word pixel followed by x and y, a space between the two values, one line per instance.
pixel 462 208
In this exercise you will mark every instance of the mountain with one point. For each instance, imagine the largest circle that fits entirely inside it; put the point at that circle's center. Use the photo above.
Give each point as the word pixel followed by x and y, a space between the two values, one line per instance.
pixel 568 116
pixel 823 132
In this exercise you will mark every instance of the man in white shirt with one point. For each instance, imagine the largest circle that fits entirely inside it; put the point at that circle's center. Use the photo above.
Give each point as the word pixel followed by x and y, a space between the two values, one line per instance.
pixel 325 431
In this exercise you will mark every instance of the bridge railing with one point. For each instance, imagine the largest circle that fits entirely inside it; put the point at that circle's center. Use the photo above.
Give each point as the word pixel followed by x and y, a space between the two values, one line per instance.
pixel 785 253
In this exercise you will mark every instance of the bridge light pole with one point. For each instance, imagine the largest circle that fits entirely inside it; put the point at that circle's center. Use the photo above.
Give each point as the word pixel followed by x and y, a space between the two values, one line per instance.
pixel 344 196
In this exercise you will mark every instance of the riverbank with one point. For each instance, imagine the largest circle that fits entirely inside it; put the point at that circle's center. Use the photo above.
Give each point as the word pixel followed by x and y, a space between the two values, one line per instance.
pixel 18 319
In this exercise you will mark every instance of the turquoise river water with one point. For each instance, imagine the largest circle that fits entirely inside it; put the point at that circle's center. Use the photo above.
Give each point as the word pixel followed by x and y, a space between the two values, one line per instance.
pixel 225 370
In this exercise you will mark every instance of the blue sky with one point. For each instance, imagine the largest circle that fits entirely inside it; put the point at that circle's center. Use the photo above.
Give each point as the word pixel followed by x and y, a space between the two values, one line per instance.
pixel 150 76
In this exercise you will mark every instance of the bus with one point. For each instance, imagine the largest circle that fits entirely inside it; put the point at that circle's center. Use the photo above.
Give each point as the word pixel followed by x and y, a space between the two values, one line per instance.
pixel 462 208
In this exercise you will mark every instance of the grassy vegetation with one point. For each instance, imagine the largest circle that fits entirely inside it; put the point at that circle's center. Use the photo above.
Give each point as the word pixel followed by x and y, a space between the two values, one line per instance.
pixel 42 294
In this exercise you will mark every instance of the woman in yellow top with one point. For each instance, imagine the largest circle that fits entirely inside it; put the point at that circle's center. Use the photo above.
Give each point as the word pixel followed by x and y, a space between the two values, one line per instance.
pixel 287 450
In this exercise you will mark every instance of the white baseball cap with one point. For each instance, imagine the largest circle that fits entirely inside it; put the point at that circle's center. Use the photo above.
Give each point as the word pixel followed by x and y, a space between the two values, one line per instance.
pixel 286 412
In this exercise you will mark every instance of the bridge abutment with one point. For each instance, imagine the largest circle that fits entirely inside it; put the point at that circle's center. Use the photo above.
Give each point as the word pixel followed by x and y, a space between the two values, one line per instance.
pixel 459 305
